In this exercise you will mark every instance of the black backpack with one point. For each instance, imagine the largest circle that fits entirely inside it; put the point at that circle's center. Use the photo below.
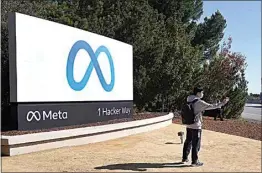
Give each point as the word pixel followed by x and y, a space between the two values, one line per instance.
pixel 187 113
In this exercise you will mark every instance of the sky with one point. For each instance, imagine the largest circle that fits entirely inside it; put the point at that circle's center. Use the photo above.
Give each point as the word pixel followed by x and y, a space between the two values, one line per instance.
pixel 244 26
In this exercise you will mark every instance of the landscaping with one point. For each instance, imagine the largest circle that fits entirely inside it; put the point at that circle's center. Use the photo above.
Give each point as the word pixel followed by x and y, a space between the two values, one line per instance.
pixel 238 127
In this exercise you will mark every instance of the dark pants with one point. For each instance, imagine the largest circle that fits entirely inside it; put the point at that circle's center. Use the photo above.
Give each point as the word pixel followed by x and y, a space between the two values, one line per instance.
pixel 193 140
pixel 220 114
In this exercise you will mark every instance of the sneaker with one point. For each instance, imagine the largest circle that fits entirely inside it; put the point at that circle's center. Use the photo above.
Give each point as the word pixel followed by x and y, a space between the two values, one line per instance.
pixel 197 164
pixel 185 160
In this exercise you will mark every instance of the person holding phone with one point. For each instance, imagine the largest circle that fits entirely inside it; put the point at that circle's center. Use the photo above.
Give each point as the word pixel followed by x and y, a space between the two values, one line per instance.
pixel 194 131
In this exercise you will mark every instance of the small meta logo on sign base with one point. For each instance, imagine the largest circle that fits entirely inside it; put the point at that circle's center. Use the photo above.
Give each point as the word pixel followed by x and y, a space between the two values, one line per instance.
pixel 78 86
pixel 45 115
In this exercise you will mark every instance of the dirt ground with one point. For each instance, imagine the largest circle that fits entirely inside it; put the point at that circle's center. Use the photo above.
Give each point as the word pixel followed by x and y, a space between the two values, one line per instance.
pixel 238 127
pixel 159 150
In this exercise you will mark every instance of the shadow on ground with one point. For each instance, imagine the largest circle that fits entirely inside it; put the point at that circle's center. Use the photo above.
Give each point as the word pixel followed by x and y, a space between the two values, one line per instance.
pixel 172 143
pixel 142 166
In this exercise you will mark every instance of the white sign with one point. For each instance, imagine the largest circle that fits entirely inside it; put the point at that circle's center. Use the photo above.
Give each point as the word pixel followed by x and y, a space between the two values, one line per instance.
pixel 58 63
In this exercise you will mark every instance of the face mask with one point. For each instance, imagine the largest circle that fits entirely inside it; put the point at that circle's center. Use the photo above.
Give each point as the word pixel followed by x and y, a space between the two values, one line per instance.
pixel 200 95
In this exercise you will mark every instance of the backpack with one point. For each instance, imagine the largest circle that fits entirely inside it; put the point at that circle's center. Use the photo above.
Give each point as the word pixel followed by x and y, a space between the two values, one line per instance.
pixel 187 113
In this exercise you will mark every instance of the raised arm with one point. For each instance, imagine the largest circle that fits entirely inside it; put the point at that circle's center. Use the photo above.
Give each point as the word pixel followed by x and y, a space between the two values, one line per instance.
pixel 206 106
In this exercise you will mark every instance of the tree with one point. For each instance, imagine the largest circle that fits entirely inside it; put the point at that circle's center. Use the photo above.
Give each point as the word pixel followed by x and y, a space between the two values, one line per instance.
pixel 209 34
pixel 186 11
pixel 225 76
pixel 238 96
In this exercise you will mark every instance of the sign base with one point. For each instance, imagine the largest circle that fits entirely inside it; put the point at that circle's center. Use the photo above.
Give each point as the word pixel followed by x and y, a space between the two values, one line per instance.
pixel 32 116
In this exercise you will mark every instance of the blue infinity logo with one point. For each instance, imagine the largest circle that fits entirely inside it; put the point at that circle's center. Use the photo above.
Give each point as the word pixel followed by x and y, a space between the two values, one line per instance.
pixel 78 86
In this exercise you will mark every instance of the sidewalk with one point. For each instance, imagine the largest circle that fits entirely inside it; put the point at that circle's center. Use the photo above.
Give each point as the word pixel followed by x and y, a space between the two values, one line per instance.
pixel 153 151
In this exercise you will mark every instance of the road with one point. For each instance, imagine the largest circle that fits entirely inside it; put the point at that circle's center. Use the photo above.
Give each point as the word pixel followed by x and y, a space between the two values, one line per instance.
pixel 252 112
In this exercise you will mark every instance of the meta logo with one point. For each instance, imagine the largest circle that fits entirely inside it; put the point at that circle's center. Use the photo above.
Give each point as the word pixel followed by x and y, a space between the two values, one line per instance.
pixel 78 86
pixel 43 115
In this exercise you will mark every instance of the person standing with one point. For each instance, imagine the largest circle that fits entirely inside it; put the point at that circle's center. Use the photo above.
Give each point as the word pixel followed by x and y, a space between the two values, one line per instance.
pixel 194 131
